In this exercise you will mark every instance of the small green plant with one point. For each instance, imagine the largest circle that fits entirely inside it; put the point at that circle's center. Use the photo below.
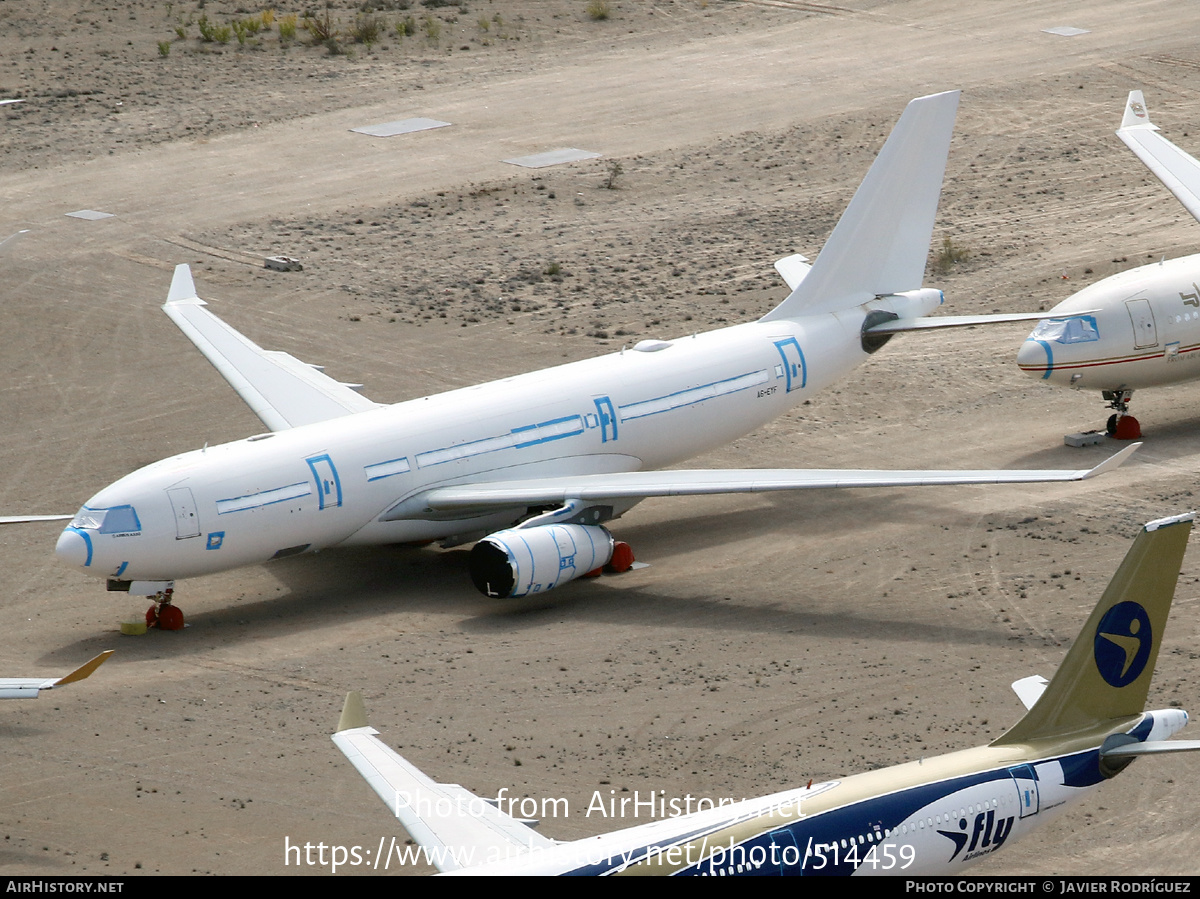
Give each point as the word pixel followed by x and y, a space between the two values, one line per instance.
pixel 614 169
pixel 432 28
pixel 181 32
pixel 321 29
pixel 222 33
pixel 164 49
pixel 287 28
pixel 406 27
pixel 949 255
pixel 268 18
pixel 599 10
pixel 368 28
pixel 484 23
pixel 553 270
pixel 206 29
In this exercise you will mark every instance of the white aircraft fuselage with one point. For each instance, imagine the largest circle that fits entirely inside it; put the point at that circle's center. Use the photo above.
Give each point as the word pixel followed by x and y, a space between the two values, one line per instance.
pixel 334 483
pixel 1135 329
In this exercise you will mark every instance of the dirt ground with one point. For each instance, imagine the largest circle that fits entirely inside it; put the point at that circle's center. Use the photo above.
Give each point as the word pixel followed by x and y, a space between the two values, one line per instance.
pixel 773 639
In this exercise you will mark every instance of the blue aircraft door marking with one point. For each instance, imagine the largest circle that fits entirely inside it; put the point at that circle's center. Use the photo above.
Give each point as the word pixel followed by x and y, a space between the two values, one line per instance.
pixel 1027 788
pixel 794 365
pixel 608 418
pixel 329 485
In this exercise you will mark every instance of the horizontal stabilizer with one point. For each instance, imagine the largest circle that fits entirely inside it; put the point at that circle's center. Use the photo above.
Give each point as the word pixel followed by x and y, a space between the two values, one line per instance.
pixel 280 389
pixel 455 828
pixel 1158 747
pixel 1177 170
pixel 793 269
pixel 926 323
pixel 643 484
pixel 1030 689
pixel 881 243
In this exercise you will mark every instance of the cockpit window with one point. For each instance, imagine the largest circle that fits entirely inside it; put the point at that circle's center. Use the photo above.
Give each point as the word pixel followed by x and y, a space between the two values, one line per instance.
pixel 1067 330
pixel 117 520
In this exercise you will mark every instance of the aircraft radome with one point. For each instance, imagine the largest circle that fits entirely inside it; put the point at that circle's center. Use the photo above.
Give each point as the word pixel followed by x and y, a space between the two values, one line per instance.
pixel 29 687
pixel 1135 329
pixel 533 464
pixel 930 816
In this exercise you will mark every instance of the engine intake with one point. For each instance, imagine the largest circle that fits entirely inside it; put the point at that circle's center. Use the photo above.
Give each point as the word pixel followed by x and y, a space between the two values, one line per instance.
pixel 520 561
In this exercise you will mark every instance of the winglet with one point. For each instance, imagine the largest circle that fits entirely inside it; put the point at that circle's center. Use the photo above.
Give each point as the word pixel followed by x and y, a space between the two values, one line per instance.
pixel 354 713
pixel 84 670
pixel 182 285
pixel 1136 114
pixel 1116 460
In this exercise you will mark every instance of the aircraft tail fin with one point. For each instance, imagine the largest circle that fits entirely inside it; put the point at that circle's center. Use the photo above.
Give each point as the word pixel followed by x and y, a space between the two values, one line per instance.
pixel 1107 672
pixel 881 243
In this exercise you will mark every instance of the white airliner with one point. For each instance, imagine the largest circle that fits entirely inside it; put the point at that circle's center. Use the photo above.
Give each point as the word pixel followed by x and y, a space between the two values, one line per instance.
pixel 930 816
pixel 1135 329
pixel 29 687
pixel 556 452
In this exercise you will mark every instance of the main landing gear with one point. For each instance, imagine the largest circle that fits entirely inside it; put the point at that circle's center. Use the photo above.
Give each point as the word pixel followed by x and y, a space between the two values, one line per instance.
pixel 164 615
pixel 1121 425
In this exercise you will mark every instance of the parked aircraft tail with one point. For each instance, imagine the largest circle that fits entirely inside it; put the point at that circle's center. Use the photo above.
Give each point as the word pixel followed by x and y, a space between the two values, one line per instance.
pixel 881 243
pixel 1106 675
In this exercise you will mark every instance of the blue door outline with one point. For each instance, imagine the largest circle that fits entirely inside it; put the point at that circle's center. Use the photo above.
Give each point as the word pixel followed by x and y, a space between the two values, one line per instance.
pixel 794 365
pixel 1025 780
pixel 329 485
pixel 608 418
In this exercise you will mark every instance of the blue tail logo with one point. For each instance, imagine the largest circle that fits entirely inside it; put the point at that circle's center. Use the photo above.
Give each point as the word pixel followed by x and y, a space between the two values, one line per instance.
pixel 1122 644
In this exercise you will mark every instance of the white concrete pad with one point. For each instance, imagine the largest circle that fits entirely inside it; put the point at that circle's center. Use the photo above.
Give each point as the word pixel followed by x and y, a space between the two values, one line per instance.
pixel 1066 30
pixel 90 214
pixel 403 126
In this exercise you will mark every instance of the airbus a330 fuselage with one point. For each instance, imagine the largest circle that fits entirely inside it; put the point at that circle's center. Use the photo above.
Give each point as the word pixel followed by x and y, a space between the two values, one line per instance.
pixel 360 479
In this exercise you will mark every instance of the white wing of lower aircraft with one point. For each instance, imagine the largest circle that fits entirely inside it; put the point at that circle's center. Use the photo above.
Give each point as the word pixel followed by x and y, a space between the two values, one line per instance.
pixel 29 687
pixel 644 484
pixel 1177 170
pixel 440 817
pixel 280 389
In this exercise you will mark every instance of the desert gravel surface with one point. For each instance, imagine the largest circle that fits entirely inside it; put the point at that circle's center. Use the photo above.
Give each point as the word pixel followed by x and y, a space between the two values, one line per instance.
pixel 773 639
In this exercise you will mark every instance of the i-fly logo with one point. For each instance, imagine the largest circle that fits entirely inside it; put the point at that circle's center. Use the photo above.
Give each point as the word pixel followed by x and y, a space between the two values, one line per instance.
pixel 1122 644
pixel 987 834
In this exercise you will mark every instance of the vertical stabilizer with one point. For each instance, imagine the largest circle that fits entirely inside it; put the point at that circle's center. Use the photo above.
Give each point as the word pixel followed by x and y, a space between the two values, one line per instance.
pixel 881 242
pixel 1106 674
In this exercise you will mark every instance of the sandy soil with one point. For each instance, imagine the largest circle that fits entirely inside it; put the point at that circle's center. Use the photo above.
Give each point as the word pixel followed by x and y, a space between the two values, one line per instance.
pixel 772 640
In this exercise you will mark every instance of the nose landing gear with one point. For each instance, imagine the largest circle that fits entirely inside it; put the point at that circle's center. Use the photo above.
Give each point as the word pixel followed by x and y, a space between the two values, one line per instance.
pixel 164 615
pixel 1121 425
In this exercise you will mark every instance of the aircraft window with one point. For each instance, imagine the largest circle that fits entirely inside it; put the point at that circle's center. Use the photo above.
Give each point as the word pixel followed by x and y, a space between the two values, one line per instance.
pixel 117 520
pixel 1068 330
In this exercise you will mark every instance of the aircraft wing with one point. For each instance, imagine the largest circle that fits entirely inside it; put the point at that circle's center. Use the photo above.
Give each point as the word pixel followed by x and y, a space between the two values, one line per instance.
pixel 1178 171
pixel 29 687
pixel 643 484
pixel 280 389
pixel 18 519
pixel 455 828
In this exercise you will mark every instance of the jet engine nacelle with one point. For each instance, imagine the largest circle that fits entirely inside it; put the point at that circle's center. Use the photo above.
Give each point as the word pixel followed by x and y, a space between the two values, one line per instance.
pixel 520 561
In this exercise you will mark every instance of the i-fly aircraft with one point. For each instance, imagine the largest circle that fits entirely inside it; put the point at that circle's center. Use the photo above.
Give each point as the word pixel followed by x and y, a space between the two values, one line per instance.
pixel 929 816
pixel 559 451
pixel 1134 329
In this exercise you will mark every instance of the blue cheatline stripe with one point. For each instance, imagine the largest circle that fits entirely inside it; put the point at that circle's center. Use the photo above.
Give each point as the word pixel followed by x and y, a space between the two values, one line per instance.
pixel 87 541
pixel 1049 358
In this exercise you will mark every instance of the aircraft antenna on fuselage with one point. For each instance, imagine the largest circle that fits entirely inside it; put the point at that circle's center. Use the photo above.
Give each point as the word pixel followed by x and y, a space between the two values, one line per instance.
pixel 881 243
pixel 1107 672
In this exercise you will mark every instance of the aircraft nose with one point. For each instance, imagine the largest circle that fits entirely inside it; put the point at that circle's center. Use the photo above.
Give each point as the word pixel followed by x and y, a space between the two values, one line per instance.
pixel 74 547
pixel 1035 358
